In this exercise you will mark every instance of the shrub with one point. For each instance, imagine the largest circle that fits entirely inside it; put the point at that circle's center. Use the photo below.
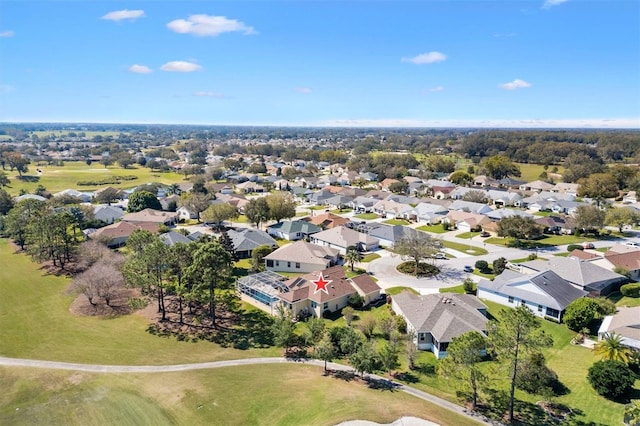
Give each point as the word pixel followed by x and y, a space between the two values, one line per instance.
pixel 572 247
pixel 534 376
pixel 482 265
pixel 612 379
pixel 605 306
pixel 401 324
pixel 469 286
pixel 580 313
pixel 630 290
pixel 423 269
pixel 532 256
pixel 499 265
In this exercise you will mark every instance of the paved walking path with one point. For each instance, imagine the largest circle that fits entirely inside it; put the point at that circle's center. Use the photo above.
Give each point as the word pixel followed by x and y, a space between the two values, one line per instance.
pixel 97 368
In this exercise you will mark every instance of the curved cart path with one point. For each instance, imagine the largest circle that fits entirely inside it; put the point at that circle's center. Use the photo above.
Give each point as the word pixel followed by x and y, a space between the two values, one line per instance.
pixel 97 368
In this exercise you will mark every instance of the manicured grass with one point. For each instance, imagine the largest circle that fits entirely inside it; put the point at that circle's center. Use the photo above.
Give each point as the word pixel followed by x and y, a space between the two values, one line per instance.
pixel 356 271
pixel 396 222
pixel 240 219
pixel 487 275
pixel 531 172
pixel 370 257
pixel 565 254
pixel 621 300
pixel 548 240
pixel 455 289
pixel 468 235
pixel 366 216
pixel 36 323
pixel 341 211
pixel 526 259
pixel 397 290
pixel 436 229
pixel 58 178
pixel 291 394
pixel 472 250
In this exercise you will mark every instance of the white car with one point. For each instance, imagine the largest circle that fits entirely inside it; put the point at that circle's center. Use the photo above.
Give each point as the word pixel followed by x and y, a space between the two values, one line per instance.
pixel 632 244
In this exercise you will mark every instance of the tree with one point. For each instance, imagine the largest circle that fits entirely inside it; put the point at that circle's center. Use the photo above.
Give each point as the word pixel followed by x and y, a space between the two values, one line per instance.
pixel 475 196
pixel 620 216
pixel 364 359
pixel 632 413
pixel 499 265
pixel 196 202
pixel 257 211
pixel 580 313
pixel 281 206
pixel 499 167
pixel 257 256
pixel 4 180
pixel 399 187
pixel 108 195
pixel 225 241
pixel 141 200
pixel 411 351
pixel 6 202
pixel 211 265
pixel 325 350
pixel 534 376
pixel 462 362
pixel 417 247
pixel 389 356
pixel 124 159
pixel 482 266
pixel 612 379
pixel 612 348
pixel 598 186
pixel 352 256
pixel 460 178
pixel 368 326
pixel 106 160
pixel 519 227
pixel 216 214
pixel 578 165
pixel 469 286
pixel 348 314
pixel 513 338
pixel 15 160
pixel 283 329
pixel 590 218
pixel 19 219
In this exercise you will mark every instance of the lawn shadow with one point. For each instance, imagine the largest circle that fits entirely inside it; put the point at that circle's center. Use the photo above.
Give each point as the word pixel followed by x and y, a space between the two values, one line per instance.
pixel 346 375
pixel 381 384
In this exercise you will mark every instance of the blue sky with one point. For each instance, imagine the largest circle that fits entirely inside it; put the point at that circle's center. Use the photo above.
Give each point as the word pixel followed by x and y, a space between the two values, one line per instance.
pixel 553 63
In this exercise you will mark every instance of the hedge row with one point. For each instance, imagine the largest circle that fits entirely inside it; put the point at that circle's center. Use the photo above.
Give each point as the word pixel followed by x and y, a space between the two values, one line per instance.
pixel 107 181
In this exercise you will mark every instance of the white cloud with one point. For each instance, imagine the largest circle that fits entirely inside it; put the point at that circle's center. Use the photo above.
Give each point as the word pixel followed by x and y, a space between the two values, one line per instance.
pixel 591 123
pixel 550 3
pixel 7 33
pixel 304 90
pixel 208 94
pixel 126 14
pixel 426 58
pixel 515 84
pixel 206 25
pixel 180 66
pixel 140 69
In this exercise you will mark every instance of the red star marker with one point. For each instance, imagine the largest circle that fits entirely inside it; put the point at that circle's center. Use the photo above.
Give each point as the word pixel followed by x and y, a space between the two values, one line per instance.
pixel 321 284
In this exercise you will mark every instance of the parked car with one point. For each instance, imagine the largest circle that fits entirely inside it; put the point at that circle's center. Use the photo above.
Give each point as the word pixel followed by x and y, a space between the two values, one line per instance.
pixel 484 234
pixel 468 268
pixel 588 245
pixel 440 256
pixel 632 244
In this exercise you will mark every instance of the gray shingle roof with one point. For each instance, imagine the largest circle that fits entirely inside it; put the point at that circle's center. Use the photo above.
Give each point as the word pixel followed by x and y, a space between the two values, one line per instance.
pixel 248 239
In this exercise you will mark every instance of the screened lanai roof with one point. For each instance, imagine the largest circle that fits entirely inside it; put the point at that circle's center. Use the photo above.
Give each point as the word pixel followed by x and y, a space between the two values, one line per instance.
pixel 267 282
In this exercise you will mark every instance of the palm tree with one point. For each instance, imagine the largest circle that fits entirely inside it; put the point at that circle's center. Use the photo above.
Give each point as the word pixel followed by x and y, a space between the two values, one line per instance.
pixel 352 256
pixel 611 348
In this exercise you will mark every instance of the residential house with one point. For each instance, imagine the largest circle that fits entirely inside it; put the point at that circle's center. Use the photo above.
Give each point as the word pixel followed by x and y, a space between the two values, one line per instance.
pixel 509 182
pixel 386 183
pixel 117 234
pixel 327 220
pixel 319 197
pixel 388 235
pixel 566 188
pixel 557 224
pixel 436 319
pixel 367 288
pixel 441 192
pixel 302 257
pixel 625 322
pixel 545 293
pixel 107 214
pixel 250 187
pixel 391 209
pixel 459 192
pixel 152 216
pixel 338 202
pixel 427 212
pixel 363 204
pixel 29 197
pixel 301 296
pixel 470 207
pixel 170 203
pixel 622 259
pixel 585 275
pixel 369 176
pixel 464 221
pixel 83 197
pixel 536 186
pixel 172 238
pixel 184 213
pixel 484 181
pixel 503 198
pixel 499 214
pixel 245 240
pixel 343 238
pixel 293 230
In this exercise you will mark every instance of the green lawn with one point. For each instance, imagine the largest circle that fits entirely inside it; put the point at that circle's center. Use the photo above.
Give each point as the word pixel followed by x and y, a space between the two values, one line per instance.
pixel 436 229
pixel 455 289
pixel 341 211
pixel 36 323
pixel 58 178
pixel 397 290
pixel 366 216
pixel 621 300
pixel 465 248
pixel 547 240
pixel 531 172
pixel 468 235
pixel 369 257
pixel 396 222
pixel 248 395
pixel 240 219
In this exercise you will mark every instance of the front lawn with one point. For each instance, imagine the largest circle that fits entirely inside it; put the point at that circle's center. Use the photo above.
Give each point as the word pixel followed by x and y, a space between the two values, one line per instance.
pixel 621 300
pixel 464 248
pixel 366 216
pixel 468 235
pixel 436 229
pixel 391 291
pixel 369 257
pixel 401 222
pixel 545 241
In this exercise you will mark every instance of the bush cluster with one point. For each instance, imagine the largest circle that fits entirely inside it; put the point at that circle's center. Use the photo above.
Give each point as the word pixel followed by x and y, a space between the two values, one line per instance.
pixel 630 290
pixel 107 181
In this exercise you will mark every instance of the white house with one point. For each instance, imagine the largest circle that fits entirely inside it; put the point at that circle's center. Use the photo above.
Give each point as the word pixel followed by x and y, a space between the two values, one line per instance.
pixel 301 257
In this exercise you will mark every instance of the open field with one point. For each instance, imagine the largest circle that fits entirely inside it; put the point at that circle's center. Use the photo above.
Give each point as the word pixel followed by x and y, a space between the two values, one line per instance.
pixel 218 396
pixel 58 178
pixel 36 323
